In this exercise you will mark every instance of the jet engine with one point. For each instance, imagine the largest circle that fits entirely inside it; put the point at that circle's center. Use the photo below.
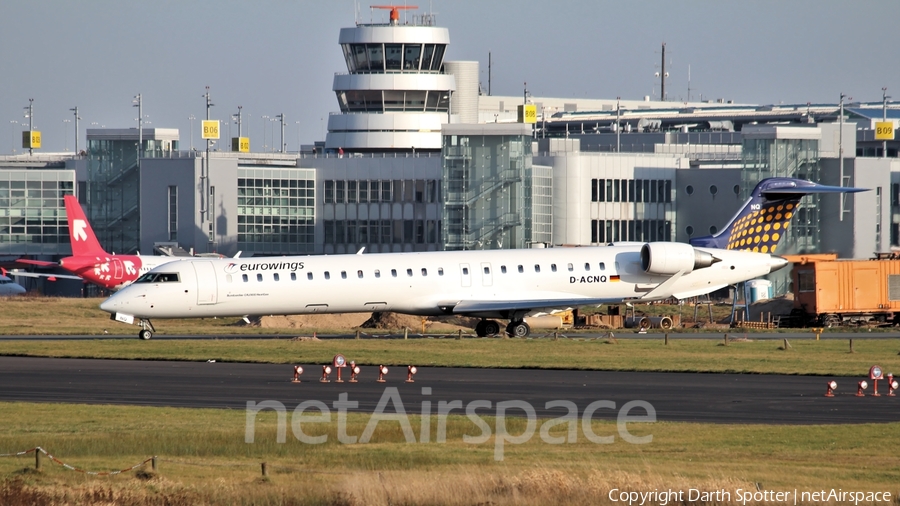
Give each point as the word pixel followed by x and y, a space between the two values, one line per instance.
pixel 672 257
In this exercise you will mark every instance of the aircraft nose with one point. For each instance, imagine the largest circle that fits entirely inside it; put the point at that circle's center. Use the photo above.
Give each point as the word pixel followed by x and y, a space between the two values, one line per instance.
pixel 109 305
pixel 776 262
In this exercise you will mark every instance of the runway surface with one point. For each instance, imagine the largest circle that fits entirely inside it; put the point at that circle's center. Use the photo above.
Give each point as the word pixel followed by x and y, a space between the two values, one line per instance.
pixel 718 398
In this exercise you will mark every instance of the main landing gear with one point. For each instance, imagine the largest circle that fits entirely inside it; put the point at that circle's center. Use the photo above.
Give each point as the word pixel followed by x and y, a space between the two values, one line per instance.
pixel 147 329
pixel 490 328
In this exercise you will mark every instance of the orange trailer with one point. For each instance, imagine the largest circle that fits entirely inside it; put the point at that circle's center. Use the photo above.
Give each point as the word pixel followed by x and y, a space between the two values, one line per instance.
pixel 831 292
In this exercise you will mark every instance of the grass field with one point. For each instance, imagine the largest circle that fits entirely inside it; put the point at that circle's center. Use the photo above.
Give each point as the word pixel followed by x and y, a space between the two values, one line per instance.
pixel 827 357
pixel 203 459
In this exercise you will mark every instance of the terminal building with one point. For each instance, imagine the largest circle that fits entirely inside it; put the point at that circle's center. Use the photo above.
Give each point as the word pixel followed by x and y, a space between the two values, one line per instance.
pixel 418 158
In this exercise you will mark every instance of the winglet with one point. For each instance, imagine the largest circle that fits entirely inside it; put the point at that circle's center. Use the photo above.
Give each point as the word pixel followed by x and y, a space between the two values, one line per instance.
pixel 764 218
pixel 81 235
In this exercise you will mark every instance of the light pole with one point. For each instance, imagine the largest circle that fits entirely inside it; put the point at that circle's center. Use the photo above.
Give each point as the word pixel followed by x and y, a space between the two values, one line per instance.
pixel 139 103
pixel 30 116
pixel 265 139
pixel 280 118
pixel 75 110
pixel 884 98
pixel 192 118
pixel 298 136
pixel 66 137
pixel 204 173
pixel 272 133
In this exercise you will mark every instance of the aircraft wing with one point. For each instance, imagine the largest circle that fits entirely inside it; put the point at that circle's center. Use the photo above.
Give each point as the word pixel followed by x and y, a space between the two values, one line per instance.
pixel 484 306
pixel 39 263
pixel 25 274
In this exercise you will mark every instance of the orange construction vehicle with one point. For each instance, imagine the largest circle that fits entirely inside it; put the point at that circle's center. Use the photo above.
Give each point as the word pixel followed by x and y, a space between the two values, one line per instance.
pixel 829 292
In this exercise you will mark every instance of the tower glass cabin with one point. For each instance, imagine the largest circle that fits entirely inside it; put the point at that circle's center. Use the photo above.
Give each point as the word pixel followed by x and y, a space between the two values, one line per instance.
pixel 395 95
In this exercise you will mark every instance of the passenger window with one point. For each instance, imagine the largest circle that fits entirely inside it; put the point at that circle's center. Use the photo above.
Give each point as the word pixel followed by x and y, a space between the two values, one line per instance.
pixel 424 271
pixel 587 266
pixel 309 276
pixel 343 274
pixel 537 268
pixel 327 275
pixel 259 277
pixel 359 274
pixel 553 267
pixel 293 276
pixel 377 273
pixel 503 269
pixel 465 271
pixel 409 272
pixel 571 267
pixel 602 266
pixel 521 269
pixel 246 279
pixel 394 273
pixel 276 276
pixel 440 271
pixel 487 270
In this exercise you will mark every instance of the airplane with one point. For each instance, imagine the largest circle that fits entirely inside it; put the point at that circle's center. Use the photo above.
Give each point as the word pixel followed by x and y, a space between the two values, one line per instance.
pixel 89 261
pixel 8 287
pixel 489 284
pixel 765 217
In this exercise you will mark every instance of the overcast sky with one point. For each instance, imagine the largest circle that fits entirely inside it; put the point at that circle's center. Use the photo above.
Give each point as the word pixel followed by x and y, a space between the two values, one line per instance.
pixel 274 57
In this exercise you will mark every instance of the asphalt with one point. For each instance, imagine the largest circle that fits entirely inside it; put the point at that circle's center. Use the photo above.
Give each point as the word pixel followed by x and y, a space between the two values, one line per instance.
pixel 717 398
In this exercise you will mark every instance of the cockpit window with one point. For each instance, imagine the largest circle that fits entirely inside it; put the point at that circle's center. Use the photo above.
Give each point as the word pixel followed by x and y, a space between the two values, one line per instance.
pixel 158 277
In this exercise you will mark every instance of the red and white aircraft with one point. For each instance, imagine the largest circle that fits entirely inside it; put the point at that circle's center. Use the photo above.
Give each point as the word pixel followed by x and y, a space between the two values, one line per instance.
pixel 89 261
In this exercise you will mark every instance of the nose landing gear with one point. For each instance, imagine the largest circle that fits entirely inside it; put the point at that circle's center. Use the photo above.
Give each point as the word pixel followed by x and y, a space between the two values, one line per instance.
pixel 147 329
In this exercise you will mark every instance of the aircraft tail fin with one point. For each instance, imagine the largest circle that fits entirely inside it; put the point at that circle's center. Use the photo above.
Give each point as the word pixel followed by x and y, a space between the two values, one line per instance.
pixel 84 241
pixel 765 217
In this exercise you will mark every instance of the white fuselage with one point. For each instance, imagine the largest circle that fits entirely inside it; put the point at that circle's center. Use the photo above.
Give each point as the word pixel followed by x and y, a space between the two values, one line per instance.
pixel 479 283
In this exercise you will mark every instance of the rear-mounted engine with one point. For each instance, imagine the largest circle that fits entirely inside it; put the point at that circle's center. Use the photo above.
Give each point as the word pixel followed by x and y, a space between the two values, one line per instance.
pixel 672 258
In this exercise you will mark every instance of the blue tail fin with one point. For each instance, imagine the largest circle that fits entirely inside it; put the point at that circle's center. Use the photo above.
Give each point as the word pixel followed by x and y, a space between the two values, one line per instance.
pixel 765 217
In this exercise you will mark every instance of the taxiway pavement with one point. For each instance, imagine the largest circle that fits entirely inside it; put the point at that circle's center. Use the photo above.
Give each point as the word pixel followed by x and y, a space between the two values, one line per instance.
pixel 718 398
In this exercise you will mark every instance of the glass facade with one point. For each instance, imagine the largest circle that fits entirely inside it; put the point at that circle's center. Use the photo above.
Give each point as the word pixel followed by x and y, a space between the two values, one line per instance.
pixel 276 211
pixel 32 211
pixel 381 58
pixel 798 158
pixel 393 101
pixel 493 197
pixel 113 188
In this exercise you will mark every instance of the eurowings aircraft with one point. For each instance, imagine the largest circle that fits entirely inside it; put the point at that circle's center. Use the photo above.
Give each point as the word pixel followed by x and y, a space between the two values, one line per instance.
pixel 503 284
pixel 765 217
pixel 89 261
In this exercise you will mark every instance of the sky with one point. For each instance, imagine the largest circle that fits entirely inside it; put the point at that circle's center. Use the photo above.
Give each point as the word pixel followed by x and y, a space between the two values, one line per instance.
pixel 279 57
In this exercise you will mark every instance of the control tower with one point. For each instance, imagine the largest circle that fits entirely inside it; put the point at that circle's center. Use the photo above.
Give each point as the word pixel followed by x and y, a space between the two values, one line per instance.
pixel 396 95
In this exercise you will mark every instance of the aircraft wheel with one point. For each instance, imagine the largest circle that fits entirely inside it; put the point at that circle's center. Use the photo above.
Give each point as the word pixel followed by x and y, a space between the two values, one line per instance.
pixel 145 334
pixel 518 329
pixel 479 329
pixel 491 328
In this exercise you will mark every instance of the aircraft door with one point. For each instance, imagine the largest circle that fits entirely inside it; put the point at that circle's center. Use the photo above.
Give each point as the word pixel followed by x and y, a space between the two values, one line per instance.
pixel 487 279
pixel 465 275
pixel 207 286
pixel 116 268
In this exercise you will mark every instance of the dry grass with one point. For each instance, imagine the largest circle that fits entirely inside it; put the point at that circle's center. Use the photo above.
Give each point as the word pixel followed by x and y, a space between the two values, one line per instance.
pixel 203 459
